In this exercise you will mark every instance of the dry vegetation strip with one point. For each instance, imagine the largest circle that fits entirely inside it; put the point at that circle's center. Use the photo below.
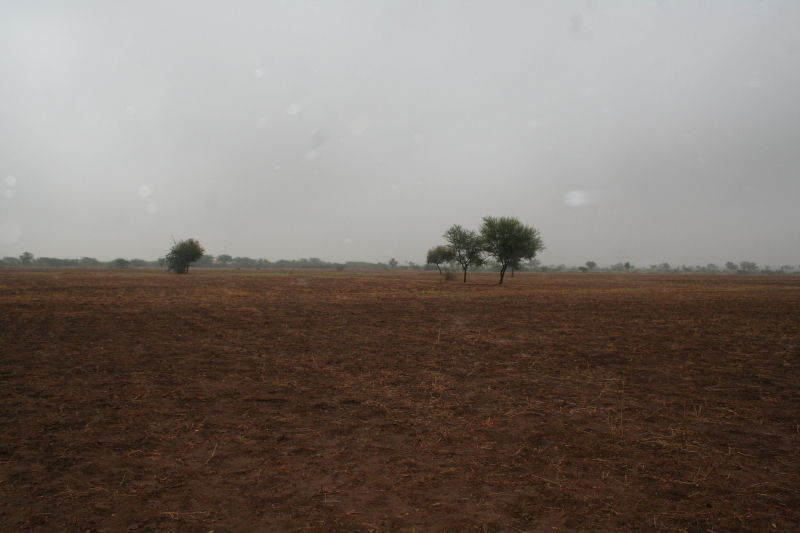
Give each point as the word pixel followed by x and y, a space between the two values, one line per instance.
pixel 328 401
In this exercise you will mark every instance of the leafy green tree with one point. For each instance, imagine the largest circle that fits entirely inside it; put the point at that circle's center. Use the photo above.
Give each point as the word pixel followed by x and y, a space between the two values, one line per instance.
pixel 393 263
pixel 26 259
pixel 466 247
pixel 591 265
pixel 509 241
pixel 438 255
pixel 183 254
pixel 224 259
pixel 138 262
pixel 120 263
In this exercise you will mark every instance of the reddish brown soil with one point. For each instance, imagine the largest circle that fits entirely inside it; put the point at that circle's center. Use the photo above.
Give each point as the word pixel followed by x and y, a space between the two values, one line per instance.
pixel 366 402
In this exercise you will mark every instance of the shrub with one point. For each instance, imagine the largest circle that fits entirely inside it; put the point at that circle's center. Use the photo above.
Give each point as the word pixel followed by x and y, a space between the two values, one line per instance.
pixel 183 254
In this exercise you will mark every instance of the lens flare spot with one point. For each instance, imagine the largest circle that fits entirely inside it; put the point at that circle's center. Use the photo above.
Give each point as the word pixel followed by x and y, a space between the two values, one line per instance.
pixel 589 197
pixel 575 198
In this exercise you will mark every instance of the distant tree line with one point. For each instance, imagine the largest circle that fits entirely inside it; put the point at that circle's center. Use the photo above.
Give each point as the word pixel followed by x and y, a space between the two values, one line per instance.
pixel 438 257
pixel 29 260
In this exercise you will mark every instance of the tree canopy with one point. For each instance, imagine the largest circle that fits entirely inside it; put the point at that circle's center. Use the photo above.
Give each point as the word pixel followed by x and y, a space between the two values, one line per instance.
pixel 438 255
pixel 465 246
pixel 183 254
pixel 509 241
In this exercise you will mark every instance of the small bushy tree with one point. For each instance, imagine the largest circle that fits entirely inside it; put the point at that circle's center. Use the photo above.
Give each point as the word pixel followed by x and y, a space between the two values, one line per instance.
pixel 438 255
pixel 590 265
pixel 26 259
pixel 466 247
pixel 183 254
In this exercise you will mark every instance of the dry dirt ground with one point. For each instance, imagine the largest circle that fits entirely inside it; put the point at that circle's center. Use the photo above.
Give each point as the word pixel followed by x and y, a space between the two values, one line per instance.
pixel 238 401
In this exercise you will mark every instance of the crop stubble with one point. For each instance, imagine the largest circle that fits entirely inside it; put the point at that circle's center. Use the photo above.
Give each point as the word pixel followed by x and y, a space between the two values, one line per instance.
pixel 318 401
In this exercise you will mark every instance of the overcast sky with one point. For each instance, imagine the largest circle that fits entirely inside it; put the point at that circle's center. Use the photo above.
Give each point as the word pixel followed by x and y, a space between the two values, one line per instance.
pixel 641 131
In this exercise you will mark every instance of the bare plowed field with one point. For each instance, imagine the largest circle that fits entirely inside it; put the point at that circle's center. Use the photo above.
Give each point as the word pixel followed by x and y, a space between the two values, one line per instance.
pixel 378 402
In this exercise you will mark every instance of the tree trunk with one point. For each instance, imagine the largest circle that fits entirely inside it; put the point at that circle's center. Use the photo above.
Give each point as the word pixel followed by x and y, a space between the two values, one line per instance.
pixel 502 273
pixel 465 274
pixel 440 270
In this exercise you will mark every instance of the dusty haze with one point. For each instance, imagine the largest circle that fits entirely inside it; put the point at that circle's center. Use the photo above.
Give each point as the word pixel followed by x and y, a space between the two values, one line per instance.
pixel 638 131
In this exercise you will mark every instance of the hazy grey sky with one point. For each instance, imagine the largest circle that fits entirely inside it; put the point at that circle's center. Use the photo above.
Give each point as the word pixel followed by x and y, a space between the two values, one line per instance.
pixel 641 131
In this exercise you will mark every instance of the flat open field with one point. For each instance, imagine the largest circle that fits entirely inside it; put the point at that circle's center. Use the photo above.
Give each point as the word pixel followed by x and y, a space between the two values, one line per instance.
pixel 375 402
